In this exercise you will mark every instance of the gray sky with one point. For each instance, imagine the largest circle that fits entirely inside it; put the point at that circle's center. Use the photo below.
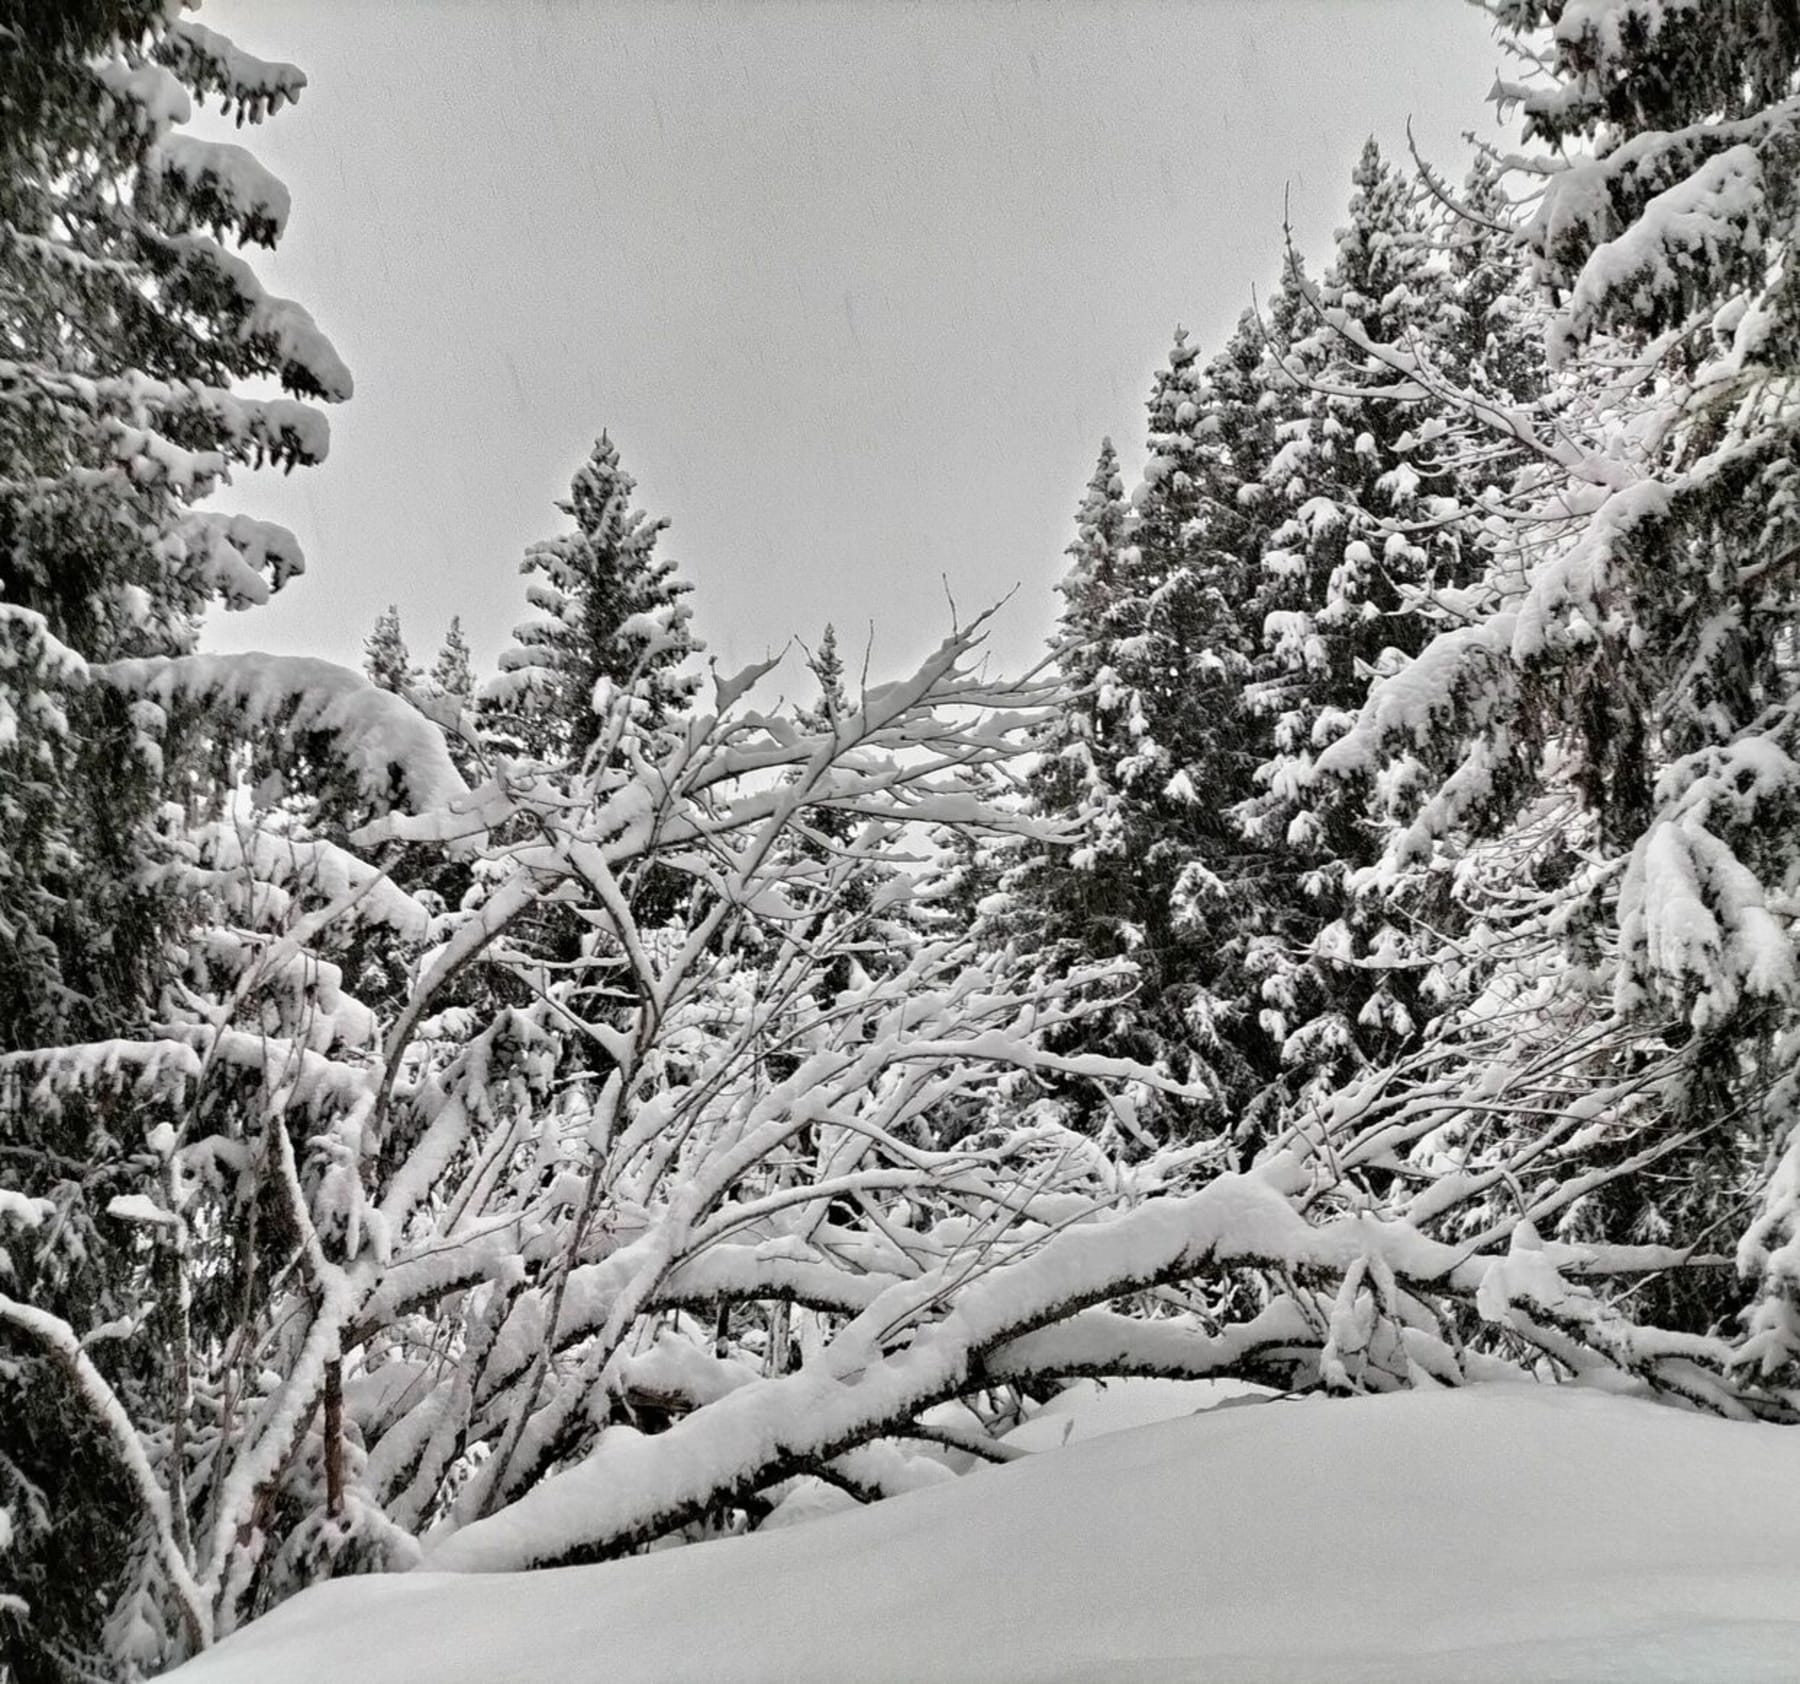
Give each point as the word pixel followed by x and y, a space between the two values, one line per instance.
pixel 856 287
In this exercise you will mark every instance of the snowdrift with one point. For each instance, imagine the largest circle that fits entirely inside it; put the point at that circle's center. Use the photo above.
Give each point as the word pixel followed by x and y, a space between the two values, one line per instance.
pixel 1494 1533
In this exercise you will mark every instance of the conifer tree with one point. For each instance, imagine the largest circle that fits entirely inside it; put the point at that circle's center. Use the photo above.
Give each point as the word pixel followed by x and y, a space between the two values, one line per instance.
pixel 1340 582
pixel 1211 498
pixel 126 325
pixel 1673 244
pixel 1089 587
pixel 1158 738
pixel 1341 595
pixel 452 672
pixel 1069 906
pixel 447 694
pixel 827 667
pixel 1621 678
pixel 385 656
pixel 610 611
pixel 1489 334
pixel 829 710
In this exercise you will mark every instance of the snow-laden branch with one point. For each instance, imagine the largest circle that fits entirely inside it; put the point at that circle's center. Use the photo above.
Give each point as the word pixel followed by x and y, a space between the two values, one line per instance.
pixel 629 1490
pixel 94 1395
pixel 396 756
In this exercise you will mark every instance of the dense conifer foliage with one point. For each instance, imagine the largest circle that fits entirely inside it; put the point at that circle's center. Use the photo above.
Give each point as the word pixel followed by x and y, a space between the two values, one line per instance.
pixel 386 658
pixel 609 611
pixel 127 322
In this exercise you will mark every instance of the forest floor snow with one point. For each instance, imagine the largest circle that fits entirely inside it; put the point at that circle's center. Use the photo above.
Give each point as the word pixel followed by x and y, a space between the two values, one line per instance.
pixel 1500 1532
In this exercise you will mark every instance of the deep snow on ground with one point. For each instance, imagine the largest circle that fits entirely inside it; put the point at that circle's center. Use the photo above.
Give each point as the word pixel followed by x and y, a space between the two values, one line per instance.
pixel 1494 1533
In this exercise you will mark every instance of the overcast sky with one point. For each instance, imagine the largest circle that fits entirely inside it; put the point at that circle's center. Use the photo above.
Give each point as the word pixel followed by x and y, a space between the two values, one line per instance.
pixel 856 288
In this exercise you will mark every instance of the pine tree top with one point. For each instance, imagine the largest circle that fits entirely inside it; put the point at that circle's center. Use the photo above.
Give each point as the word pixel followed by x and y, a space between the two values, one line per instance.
pixel 827 667
pixel 610 612
pixel 386 658
pixel 452 671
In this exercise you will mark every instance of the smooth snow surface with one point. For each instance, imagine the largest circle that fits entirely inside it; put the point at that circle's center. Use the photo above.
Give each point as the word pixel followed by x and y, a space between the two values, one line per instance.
pixel 1494 1533
pixel 1094 1408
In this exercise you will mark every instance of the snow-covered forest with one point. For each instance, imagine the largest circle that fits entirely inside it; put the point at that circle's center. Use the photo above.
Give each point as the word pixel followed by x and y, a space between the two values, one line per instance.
pixel 482 1121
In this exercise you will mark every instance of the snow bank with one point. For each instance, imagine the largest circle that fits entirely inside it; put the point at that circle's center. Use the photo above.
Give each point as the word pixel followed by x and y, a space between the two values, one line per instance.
pixel 1493 1533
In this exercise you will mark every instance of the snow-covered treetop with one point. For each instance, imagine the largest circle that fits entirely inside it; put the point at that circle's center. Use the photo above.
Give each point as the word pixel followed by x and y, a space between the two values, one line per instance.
pixel 610 611
pixel 452 672
pixel 385 656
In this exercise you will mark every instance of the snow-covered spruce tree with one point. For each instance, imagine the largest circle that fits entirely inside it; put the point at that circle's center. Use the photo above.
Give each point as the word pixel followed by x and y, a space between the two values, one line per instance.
pixel 1182 668
pixel 453 672
pixel 611 616
pixel 126 324
pixel 1624 677
pixel 1677 245
pixel 826 832
pixel 447 693
pixel 827 668
pixel 1379 531
pixel 1068 909
pixel 1056 900
pixel 1158 748
pixel 1340 584
pixel 386 658
pixel 609 610
pixel 1284 545
pixel 1488 337
pixel 1163 630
